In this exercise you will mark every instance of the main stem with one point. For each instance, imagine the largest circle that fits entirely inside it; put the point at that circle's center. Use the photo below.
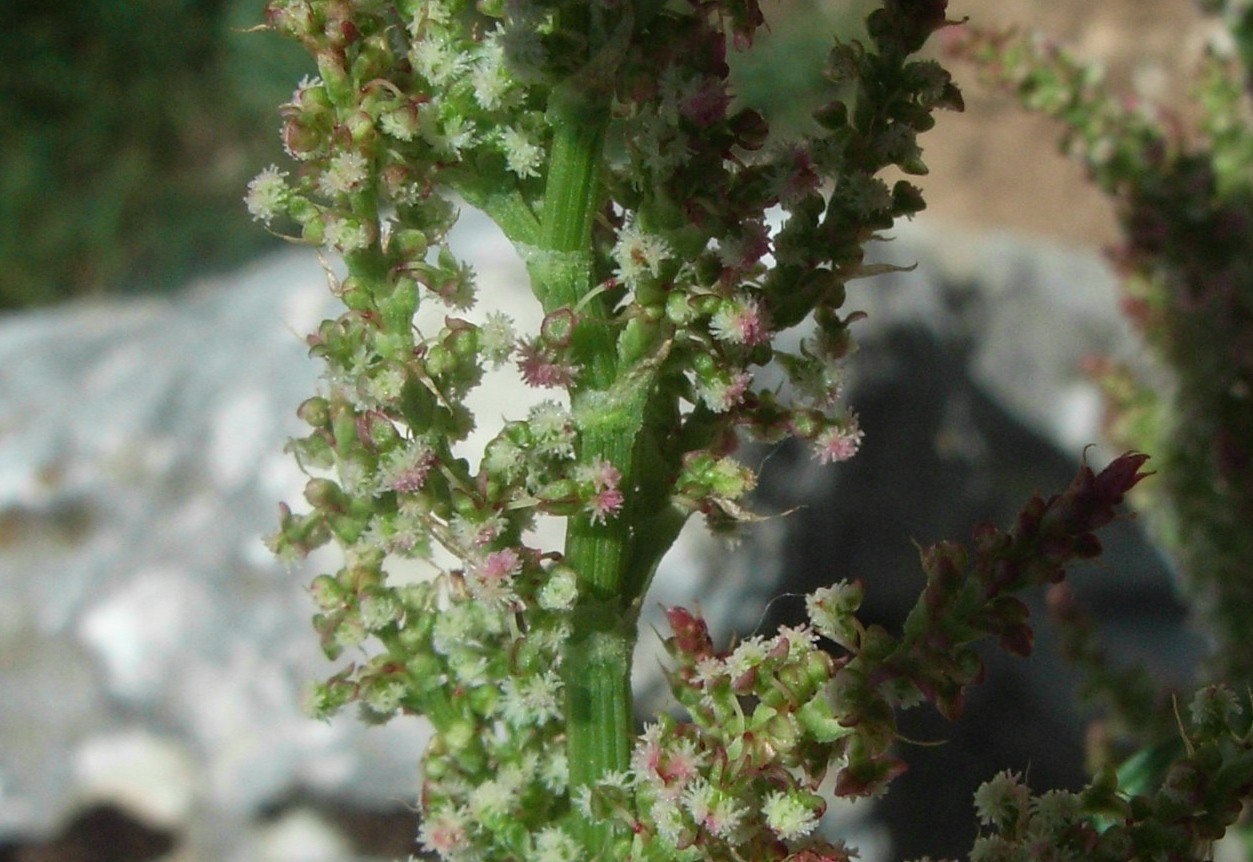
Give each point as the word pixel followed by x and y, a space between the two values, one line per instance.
pixel 596 661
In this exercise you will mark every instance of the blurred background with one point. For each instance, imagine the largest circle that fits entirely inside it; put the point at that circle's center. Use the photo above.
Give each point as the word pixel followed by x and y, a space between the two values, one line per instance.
pixel 130 128
pixel 128 131
pixel 150 361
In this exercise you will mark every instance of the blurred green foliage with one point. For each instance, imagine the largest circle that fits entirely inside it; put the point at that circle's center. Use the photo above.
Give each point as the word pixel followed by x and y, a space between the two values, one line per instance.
pixel 127 133
pixel 778 77
pixel 129 128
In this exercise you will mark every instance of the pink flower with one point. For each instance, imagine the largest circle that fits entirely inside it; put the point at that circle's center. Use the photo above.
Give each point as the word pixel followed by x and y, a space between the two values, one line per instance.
pixel 604 475
pixel 740 321
pixel 491 580
pixel 744 249
pixel 799 177
pixel 720 394
pixel 405 469
pixel 605 504
pixel 838 443
pixel 606 499
pixel 541 369
pixel 707 105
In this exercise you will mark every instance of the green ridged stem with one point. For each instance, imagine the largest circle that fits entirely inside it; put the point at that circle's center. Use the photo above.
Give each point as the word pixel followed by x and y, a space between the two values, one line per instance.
pixel 596 661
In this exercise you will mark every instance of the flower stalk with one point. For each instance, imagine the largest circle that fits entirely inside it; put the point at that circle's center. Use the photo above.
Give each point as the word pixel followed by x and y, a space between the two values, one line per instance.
pixel 670 240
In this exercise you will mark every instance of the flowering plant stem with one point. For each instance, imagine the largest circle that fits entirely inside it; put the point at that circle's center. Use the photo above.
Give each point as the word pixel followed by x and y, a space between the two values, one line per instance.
pixel 676 248
pixel 596 658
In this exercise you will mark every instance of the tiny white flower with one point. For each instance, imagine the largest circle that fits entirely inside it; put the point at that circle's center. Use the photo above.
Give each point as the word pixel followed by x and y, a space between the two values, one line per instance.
pixel 552 844
pixel 438 60
pixel 492 799
pixel 831 611
pixel 747 656
pixel 639 254
pixel 553 427
pixel 347 234
pixel 1002 800
pixel 443 831
pixel 560 591
pixel 497 338
pixel 522 156
pixel 788 816
pixel 267 194
pixel 490 77
pixel 554 771
pixel 347 172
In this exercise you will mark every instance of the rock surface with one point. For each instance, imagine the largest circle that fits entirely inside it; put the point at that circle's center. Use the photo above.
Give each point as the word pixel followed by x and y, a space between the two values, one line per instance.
pixel 153 653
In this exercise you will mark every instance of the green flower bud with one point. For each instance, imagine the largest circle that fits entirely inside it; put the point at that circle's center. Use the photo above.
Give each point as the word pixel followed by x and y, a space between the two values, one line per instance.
pixel 819 721
pixel 327 593
pixel 833 116
pixel 322 700
pixel 361 128
pixel 808 424
pixel 440 361
pixel 316 412
pixel 381 433
pixel 679 308
pixel 460 735
pixel 637 340
pixel 313 231
pixel 313 452
pixel 557 328
pixel 463 342
pixel 560 498
pixel 373 59
pixel 483 699
pixel 326 495
pixel 346 529
pixel 408 243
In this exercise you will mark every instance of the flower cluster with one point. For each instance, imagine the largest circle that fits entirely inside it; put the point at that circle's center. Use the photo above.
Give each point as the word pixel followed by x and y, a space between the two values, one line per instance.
pixel 604 140
pixel 670 239
pixel 769 718
pixel 742 774
pixel 1187 799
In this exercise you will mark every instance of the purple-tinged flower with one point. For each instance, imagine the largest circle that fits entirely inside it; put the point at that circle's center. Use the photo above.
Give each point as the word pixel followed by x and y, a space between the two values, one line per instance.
pixel 666 760
pixel 742 250
pixel 797 178
pixel 405 469
pixel 707 104
pixel 722 393
pixel 443 832
pixel 606 499
pixel 605 504
pixel 838 443
pixel 740 321
pixel 600 474
pixel 491 579
pixel 639 254
pixel 540 368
